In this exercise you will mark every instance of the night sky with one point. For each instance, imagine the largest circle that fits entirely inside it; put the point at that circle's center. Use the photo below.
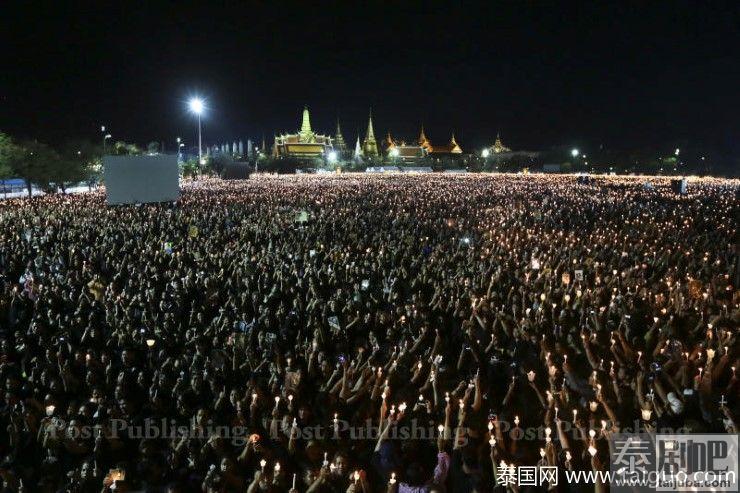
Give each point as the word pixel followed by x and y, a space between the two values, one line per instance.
pixel 622 75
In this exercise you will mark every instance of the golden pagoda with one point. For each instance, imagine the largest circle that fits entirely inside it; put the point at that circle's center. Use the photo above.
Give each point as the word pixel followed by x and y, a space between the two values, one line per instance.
pixel 370 145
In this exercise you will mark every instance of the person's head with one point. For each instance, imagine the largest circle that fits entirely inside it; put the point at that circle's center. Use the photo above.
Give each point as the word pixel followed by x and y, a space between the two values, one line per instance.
pixel 414 474
pixel 341 461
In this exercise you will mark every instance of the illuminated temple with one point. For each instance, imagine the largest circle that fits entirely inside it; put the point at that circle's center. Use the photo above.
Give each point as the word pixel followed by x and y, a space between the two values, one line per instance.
pixel 405 152
pixel 304 144
pixel 446 149
pixel 499 147
pixel 402 151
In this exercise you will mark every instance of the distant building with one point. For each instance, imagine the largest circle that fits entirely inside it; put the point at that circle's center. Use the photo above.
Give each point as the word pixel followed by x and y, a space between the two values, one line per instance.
pixel 357 155
pixel 498 146
pixel 340 145
pixel 370 145
pixel 403 152
pixel 499 154
pixel 304 144
pixel 449 150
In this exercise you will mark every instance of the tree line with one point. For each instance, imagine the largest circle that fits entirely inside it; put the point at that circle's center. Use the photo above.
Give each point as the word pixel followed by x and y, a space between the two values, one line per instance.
pixel 50 169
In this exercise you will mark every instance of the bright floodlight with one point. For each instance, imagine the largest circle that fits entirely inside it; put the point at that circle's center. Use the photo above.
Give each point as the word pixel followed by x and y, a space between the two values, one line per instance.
pixel 332 156
pixel 678 151
pixel 196 105
pixel 394 152
pixel 486 153
pixel 574 153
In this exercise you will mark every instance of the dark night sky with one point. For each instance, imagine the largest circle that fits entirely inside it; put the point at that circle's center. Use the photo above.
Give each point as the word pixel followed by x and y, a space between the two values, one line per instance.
pixel 620 74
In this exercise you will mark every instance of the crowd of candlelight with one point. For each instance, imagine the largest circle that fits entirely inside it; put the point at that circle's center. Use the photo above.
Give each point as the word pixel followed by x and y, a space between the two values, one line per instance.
pixel 520 320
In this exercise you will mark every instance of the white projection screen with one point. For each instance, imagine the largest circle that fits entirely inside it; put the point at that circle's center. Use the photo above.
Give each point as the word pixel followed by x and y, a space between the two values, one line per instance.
pixel 141 179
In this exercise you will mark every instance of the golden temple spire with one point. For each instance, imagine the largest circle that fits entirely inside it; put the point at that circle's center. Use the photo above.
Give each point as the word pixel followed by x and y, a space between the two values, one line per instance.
pixel 306 134
pixel 423 141
pixel 370 145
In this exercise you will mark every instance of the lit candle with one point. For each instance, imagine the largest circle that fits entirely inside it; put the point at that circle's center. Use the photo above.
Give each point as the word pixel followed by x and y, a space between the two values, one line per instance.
pixel 492 442
pixel 263 463
pixel 592 450
pixel 447 397
pixel 294 475
pixel 254 397
pixel 357 476
pixel 575 414
pixel 531 375
pixel 277 401
pixel 393 478
pixel 290 398
pixel 490 426
pixel 277 468
pixel 542 453
pixel 591 433
pixel 326 455
pixel 516 420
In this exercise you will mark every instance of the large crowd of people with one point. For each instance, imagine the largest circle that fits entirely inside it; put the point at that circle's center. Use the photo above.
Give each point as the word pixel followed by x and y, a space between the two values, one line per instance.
pixel 359 333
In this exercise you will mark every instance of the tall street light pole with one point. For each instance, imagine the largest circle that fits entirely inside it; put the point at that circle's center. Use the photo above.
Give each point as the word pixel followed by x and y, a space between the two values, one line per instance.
pixel 196 106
